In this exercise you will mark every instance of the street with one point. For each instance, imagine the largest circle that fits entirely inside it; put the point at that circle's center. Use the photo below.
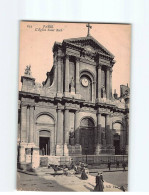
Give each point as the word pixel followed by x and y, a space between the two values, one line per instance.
pixel 47 182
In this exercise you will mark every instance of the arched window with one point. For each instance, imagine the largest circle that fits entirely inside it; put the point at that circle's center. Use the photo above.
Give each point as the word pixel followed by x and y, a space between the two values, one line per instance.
pixel 45 119
pixel 87 122
pixel 117 128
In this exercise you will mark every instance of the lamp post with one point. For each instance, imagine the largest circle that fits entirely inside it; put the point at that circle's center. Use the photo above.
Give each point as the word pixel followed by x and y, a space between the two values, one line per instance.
pixel 86 155
pixel 31 156
pixel 123 152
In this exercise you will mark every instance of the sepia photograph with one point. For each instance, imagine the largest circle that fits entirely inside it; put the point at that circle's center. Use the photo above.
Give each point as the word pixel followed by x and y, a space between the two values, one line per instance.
pixel 73 107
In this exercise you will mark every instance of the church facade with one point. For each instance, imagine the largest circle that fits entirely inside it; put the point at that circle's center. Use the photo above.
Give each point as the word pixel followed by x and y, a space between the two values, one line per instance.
pixel 74 112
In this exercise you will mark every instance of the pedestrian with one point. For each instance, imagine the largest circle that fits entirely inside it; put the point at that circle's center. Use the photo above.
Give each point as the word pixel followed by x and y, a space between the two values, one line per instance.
pixel 84 175
pixel 79 168
pixel 71 164
pixel 124 165
pixel 75 169
pixel 99 183
pixel 43 151
pixel 117 164
pixel 109 165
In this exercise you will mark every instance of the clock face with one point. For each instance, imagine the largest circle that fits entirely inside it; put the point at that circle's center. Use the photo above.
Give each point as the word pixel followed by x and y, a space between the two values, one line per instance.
pixel 84 82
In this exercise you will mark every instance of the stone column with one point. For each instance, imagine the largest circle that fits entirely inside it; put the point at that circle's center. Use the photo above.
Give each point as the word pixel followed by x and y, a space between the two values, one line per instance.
pixel 107 132
pixel 78 148
pixel 127 133
pixel 99 128
pixel 23 140
pixel 99 81
pixel 59 75
pixel 31 124
pixel 107 83
pixel 66 131
pixel 23 123
pixel 111 132
pixel 110 83
pixel 98 146
pixel 66 75
pixel 77 75
pixel 59 146
pixel 77 131
pixel 28 124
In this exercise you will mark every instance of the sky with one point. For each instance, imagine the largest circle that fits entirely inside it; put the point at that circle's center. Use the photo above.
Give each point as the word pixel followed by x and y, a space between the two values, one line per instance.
pixel 37 40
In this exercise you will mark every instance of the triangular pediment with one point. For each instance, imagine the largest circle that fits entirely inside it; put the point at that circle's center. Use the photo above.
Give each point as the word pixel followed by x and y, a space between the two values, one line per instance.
pixel 89 44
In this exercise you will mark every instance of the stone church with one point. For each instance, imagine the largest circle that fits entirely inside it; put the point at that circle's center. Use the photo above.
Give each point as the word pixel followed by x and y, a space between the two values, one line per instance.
pixel 74 112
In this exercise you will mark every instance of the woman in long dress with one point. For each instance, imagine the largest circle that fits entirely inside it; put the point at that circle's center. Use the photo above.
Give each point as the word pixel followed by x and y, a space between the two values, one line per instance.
pixel 84 175
pixel 99 183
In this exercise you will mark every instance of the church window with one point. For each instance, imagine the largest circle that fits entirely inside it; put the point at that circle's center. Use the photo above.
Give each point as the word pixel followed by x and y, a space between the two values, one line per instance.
pixel 87 122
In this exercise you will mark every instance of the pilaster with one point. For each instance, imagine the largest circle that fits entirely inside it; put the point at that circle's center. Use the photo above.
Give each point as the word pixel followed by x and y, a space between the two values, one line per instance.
pixel 59 145
pixel 98 134
pixel 23 123
pixel 66 75
pixel 127 133
pixel 107 83
pixel 77 133
pixel 111 82
pixel 31 125
pixel 27 124
pixel 77 75
pixel 107 129
pixel 66 132
pixel 99 82
pixel 59 76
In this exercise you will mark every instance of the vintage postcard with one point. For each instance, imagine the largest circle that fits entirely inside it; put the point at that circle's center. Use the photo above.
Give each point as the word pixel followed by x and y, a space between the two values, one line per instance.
pixel 73 106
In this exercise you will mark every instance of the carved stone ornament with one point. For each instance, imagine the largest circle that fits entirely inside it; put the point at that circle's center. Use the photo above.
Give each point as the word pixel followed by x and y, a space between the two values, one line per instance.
pixel 27 71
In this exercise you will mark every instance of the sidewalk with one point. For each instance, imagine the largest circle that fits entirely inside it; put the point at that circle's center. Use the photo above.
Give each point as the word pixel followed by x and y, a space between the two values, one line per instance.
pixel 113 169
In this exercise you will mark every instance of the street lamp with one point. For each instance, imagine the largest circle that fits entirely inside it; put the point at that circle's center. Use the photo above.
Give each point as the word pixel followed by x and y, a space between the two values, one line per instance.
pixel 123 152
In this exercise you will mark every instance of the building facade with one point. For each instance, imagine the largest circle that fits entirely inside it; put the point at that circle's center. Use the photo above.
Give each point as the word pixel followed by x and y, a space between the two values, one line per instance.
pixel 74 112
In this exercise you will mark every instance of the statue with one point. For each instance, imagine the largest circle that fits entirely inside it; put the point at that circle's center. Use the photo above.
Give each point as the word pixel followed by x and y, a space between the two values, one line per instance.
pixel 28 70
pixel 103 91
pixel 72 82
pixel 71 86
pixel 71 138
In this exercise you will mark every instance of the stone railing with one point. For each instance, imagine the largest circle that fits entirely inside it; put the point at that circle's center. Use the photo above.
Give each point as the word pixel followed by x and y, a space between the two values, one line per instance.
pixel 39 89
pixel 117 103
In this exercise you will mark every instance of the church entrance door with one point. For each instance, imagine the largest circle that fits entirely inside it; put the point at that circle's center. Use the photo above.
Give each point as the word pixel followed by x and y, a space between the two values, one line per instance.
pixel 87 141
pixel 117 144
pixel 44 142
pixel 44 145
pixel 87 129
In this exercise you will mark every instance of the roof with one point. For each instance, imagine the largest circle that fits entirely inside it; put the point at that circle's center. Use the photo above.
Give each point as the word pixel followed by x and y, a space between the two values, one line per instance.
pixel 81 40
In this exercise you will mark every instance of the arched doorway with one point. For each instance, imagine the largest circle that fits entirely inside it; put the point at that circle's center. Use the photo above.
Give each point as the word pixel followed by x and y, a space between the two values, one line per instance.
pixel 117 131
pixel 44 142
pixel 45 134
pixel 87 128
